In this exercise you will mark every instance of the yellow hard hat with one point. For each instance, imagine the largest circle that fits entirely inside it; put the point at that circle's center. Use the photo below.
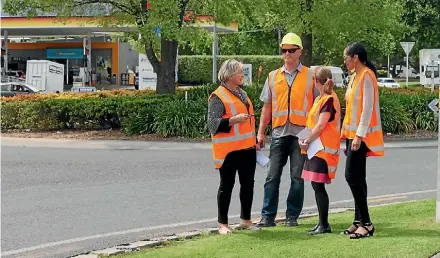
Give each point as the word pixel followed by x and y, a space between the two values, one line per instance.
pixel 291 38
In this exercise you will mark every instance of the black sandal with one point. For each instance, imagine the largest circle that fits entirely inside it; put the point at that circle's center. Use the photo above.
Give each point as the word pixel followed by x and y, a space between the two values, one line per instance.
pixel 348 232
pixel 359 235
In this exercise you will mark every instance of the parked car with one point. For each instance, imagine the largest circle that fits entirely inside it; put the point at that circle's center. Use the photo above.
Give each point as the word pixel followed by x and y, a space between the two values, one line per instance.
pixel 387 83
pixel 10 89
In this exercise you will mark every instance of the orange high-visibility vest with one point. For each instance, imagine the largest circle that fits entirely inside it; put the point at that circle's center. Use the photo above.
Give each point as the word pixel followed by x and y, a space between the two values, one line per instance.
pixel 291 103
pixel 374 137
pixel 330 135
pixel 241 136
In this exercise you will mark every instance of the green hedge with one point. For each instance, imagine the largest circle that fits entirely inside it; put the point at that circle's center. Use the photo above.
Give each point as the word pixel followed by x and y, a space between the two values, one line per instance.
pixel 197 70
pixel 56 114
pixel 402 110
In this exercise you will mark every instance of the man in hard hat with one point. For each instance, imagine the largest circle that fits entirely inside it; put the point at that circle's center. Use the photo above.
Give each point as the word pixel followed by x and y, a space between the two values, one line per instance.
pixel 288 96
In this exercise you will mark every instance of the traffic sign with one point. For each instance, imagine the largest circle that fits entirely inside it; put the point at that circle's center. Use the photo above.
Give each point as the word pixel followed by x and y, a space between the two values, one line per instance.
pixel 433 105
pixel 407 46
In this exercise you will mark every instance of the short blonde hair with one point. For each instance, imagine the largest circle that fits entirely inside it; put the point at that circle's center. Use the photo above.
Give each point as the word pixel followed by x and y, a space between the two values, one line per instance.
pixel 228 69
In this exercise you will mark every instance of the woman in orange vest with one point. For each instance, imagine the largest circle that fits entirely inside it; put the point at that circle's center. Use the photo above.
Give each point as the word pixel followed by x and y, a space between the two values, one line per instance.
pixel 231 122
pixel 362 130
pixel 324 122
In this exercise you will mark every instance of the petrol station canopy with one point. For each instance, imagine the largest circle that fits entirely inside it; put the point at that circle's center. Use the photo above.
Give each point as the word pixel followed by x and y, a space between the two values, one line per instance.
pixel 81 26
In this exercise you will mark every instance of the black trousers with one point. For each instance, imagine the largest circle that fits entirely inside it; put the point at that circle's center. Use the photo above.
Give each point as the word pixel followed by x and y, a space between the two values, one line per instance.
pixel 355 175
pixel 243 161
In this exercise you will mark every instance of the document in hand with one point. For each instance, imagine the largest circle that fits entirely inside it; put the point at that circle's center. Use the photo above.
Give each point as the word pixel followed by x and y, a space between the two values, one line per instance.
pixel 262 160
pixel 314 147
pixel 304 133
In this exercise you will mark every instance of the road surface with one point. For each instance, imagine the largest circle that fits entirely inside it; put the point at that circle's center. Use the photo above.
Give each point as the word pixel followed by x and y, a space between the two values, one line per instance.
pixel 61 198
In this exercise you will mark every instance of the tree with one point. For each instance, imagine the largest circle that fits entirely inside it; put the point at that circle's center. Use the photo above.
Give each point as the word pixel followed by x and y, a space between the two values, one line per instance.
pixel 166 15
pixel 422 18
pixel 252 41
pixel 326 26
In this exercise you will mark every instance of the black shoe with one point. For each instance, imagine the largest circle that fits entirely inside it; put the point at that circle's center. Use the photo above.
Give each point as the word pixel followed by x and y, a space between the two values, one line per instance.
pixel 266 223
pixel 291 222
pixel 321 230
pixel 313 229
pixel 367 234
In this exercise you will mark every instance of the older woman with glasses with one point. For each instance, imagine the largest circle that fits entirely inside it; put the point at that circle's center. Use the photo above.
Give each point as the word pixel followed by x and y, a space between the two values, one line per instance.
pixel 231 122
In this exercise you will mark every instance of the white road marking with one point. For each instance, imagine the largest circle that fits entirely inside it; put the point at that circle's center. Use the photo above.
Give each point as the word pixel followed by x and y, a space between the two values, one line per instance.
pixel 179 224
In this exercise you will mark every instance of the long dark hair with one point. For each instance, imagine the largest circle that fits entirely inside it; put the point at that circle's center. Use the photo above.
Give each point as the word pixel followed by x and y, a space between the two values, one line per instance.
pixel 357 48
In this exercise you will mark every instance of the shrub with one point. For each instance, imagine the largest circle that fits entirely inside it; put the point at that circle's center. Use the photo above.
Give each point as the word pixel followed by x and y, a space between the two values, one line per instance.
pixel 402 110
pixel 87 113
pixel 181 118
pixel 382 73
pixel 417 107
pixel 10 115
pixel 77 95
pixel 395 119
pixel 138 115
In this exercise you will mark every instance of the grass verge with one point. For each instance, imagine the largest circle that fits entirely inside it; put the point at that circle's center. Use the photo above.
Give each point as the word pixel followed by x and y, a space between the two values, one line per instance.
pixel 402 230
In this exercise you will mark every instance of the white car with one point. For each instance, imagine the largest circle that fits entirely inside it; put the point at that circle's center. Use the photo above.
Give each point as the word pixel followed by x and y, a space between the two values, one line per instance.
pixel 387 83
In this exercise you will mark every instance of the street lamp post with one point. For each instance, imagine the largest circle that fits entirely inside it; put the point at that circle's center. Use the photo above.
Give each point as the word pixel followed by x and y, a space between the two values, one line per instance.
pixel 214 47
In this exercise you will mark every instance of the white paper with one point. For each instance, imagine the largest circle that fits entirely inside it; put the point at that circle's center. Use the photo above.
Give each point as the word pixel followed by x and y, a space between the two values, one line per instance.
pixel 314 147
pixel 262 160
pixel 304 133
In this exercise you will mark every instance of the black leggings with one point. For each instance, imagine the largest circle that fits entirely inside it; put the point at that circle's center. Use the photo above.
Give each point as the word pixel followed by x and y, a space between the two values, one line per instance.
pixel 243 161
pixel 355 175
pixel 322 202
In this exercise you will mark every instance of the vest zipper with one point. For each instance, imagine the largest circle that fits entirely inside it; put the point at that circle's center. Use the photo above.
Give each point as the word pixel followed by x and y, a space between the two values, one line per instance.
pixel 288 103
pixel 288 96
pixel 250 120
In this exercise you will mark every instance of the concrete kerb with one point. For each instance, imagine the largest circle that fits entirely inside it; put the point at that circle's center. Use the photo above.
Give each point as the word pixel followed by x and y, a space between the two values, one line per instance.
pixel 162 241
pixel 436 255
pixel 159 145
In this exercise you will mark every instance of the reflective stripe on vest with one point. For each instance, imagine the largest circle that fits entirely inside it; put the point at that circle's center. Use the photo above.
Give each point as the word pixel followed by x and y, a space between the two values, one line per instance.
pixel 218 161
pixel 240 136
pixel 374 137
pixel 330 150
pixel 331 169
pixel 371 129
pixel 353 126
pixel 302 112
pixel 237 135
pixel 330 135
pixel 376 148
pixel 327 149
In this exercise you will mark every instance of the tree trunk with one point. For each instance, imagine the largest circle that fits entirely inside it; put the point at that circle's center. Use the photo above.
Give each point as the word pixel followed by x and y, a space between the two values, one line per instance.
pixel 306 37
pixel 165 69
pixel 167 72
pixel 307 49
